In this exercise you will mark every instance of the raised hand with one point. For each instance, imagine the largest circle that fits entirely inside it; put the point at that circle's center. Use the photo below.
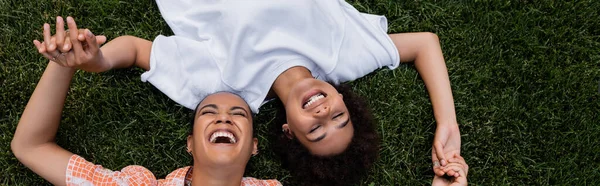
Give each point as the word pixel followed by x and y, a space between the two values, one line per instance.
pixel 73 48
pixel 446 143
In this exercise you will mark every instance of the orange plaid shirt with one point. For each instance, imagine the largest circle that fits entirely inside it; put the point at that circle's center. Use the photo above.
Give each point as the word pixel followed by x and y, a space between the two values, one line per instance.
pixel 82 172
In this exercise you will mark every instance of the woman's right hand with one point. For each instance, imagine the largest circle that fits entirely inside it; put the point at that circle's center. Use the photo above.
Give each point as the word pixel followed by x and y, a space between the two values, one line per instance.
pixel 76 48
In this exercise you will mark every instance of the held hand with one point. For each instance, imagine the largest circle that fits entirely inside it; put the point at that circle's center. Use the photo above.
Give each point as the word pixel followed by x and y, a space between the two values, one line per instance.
pixel 458 178
pixel 75 48
pixel 446 143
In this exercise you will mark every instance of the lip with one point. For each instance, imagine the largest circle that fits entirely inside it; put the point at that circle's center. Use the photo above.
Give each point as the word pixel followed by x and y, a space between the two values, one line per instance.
pixel 222 130
pixel 310 94
pixel 315 104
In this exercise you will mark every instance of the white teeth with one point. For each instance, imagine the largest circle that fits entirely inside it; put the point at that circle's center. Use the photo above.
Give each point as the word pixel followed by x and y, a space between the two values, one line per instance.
pixel 214 136
pixel 313 99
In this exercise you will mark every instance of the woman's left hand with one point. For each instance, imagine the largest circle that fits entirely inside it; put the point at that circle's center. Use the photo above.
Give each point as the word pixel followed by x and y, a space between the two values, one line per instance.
pixel 446 144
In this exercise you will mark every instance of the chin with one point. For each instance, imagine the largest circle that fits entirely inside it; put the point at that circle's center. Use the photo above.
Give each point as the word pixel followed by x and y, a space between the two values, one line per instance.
pixel 224 160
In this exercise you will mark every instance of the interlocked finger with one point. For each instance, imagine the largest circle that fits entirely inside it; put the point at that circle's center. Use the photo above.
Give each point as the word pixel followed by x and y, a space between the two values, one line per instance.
pixel 55 54
pixel 67 43
pixel 42 49
pixel 60 31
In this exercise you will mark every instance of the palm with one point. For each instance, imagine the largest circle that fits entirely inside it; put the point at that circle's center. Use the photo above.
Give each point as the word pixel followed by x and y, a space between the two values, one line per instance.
pixel 447 139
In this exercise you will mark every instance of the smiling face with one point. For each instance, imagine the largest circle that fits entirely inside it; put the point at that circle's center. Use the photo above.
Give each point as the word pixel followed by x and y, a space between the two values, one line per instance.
pixel 222 132
pixel 318 118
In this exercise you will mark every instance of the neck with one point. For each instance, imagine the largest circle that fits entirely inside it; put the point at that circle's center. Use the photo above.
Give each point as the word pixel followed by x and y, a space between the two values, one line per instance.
pixel 223 176
pixel 284 82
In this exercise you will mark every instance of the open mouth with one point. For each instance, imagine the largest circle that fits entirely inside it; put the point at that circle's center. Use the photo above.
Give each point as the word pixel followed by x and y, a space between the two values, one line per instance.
pixel 223 136
pixel 312 99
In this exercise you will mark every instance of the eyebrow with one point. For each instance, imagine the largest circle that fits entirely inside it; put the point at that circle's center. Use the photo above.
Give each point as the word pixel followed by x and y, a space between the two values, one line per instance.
pixel 209 105
pixel 325 134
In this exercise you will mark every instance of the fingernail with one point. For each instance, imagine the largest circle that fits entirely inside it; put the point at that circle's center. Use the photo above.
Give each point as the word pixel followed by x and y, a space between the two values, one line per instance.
pixel 69 19
pixel 66 47
pixel 443 162
pixel 89 33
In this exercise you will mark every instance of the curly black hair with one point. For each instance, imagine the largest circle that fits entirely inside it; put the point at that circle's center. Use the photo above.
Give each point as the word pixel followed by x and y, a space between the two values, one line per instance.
pixel 347 168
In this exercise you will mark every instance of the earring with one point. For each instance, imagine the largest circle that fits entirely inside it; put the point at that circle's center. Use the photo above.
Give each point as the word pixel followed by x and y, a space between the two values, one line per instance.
pixel 255 154
pixel 189 151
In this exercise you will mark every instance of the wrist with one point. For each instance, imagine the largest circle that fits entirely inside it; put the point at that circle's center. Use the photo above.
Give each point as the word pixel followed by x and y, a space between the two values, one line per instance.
pixel 448 122
pixel 53 66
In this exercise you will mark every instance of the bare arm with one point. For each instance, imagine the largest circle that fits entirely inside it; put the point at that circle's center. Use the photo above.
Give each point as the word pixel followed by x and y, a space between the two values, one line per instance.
pixel 126 51
pixel 33 143
pixel 424 49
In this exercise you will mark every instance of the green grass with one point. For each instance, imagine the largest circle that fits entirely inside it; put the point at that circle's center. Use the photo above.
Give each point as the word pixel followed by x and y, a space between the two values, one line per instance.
pixel 525 77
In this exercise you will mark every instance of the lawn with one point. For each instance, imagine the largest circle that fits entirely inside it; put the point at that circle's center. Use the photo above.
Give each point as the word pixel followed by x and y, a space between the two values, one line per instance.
pixel 525 77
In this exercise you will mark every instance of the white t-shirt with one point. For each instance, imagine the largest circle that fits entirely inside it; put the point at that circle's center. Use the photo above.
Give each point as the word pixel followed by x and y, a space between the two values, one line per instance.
pixel 242 46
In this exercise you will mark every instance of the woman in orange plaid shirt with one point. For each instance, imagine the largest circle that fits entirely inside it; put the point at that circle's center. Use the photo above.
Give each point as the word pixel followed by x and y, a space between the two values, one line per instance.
pixel 221 141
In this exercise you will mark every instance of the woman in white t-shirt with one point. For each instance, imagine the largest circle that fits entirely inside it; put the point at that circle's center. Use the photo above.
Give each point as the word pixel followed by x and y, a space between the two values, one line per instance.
pixel 288 50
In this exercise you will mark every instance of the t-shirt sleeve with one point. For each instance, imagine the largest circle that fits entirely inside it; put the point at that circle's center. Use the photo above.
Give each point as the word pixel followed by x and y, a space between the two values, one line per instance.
pixel 183 69
pixel 377 21
pixel 365 48
pixel 82 172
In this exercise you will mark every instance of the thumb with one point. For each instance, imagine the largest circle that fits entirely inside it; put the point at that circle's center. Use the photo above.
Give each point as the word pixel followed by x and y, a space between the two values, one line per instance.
pixel 100 39
pixel 439 150
pixel 91 41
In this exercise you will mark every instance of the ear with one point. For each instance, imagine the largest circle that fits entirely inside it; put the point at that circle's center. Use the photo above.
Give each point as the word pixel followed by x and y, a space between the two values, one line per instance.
pixel 287 131
pixel 255 147
pixel 341 95
pixel 190 143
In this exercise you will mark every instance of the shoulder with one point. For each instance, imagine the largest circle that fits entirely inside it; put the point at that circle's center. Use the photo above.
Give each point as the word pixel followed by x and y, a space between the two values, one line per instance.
pixel 250 181
pixel 181 176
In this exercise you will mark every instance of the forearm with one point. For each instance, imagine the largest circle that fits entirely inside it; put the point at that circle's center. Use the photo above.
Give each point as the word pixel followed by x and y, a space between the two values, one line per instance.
pixel 33 143
pixel 431 66
pixel 424 50
pixel 126 51
pixel 42 114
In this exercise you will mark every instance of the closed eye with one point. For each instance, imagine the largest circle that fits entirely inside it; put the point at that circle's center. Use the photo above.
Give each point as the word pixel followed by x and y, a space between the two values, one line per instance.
pixel 338 115
pixel 207 112
pixel 208 109
pixel 312 130
pixel 239 114
pixel 239 111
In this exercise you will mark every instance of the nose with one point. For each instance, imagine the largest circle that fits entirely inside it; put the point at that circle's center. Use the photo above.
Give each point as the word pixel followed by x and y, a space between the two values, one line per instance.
pixel 223 118
pixel 322 111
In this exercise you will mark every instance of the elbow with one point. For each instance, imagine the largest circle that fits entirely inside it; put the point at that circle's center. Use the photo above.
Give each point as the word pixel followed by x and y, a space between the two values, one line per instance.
pixel 17 148
pixel 20 144
pixel 431 38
